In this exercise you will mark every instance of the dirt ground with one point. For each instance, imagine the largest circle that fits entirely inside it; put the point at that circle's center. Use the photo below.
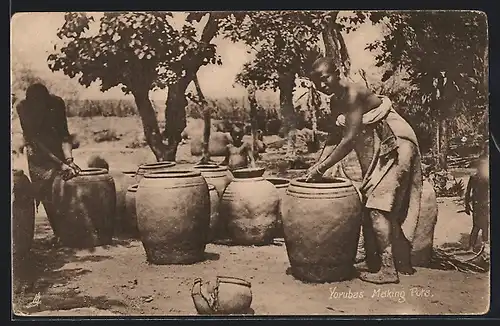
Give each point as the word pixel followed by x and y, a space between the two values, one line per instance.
pixel 117 280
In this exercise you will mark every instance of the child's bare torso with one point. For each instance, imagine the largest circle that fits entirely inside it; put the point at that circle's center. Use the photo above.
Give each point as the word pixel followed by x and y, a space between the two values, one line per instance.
pixel 237 157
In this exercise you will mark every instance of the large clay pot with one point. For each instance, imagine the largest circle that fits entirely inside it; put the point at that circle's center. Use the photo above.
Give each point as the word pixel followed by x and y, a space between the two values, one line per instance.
pixel 250 208
pixel 151 167
pixel 86 208
pixel 173 216
pixel 217 145
pixel 215 224
pixel 321 223
pixel 23 221
pixel 123 180
pixel 130 220
pixel 282 185
pixel 219 176
pixel 424 233
pixel 229 295
pixel 234 295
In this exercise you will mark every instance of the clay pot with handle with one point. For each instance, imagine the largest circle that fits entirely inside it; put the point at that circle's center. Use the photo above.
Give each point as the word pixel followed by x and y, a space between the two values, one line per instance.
pixel 226 296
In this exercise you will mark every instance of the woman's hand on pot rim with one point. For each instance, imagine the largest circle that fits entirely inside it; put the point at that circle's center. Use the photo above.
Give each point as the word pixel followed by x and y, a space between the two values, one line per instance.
pixel 314 173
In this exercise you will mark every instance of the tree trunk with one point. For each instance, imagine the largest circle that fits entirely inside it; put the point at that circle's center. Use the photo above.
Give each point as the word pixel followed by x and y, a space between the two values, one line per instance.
pixel 150 125
pixel 175 117
pixel 445 104
pixel 334 44
pixel 205 159
pixel 253 120
pixel 175 114
pixel 286 83
pixel 314 147
pixel 443 146
pixel 438 143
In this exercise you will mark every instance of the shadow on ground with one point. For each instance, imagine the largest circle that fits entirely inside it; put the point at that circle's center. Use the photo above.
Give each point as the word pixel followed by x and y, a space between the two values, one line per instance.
pixel 44 275
pixel 230 243
pixel 211 256
pixel 461 244
pixel 454 256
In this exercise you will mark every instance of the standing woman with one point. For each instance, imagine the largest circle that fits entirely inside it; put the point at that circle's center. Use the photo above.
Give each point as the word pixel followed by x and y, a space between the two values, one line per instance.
pixel 389 157
pixel 48 144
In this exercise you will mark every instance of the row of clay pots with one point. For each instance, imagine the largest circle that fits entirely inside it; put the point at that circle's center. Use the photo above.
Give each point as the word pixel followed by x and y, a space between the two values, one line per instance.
pixel 176 211
pixel 170 210
pixel 173 216
pixel 128 182
pixel 89 207
pixel 243 208
pixel 82 211
pixel 81 214
pixel 226 226
pixel 321 221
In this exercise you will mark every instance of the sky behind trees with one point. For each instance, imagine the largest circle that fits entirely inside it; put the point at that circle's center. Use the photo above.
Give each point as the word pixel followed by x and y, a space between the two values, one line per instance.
pixel 33 36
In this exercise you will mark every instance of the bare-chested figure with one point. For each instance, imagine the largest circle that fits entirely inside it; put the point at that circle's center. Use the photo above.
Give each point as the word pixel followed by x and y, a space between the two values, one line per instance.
pixel 389 157
pixel 49 144
pixel 239 154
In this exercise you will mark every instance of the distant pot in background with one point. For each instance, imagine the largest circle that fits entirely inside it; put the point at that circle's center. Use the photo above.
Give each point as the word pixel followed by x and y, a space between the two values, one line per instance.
pixel 151 167
pixel 217 145
pixel 130 220
pixel 215 224
pixel 123 180
pixel 219 176
pixel 282 185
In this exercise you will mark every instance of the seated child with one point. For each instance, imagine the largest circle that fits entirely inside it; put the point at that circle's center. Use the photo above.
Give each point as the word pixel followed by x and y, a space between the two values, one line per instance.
pixel 239 154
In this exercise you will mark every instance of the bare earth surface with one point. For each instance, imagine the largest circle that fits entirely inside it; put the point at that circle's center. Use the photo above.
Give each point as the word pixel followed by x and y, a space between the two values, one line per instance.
pixel 117 280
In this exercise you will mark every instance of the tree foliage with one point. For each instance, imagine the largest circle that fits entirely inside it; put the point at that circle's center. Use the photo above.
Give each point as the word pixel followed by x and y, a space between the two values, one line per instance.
pixel 283 42
pixel 442 56
pixel 133 50
pixel 138 51
pixel 439 52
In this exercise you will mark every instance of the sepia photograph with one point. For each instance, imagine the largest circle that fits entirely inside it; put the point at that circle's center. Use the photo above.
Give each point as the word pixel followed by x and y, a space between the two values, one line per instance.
pixel 249 163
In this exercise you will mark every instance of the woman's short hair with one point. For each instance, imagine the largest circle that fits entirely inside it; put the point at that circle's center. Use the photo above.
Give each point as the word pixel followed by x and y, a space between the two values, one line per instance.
pixel 328 62
pixel 36 90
